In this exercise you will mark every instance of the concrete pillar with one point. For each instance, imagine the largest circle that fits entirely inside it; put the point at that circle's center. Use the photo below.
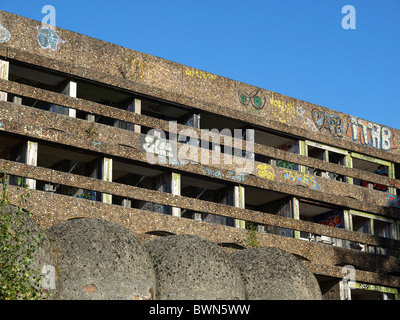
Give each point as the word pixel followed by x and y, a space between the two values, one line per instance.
pixel 31 159
pixel 134 106
pixel 239 199
pixel 137 109
pixel 28 153
pixel 71 90
pixel 296 215
pixel 4 70
pixel 106 172
pixel 176 190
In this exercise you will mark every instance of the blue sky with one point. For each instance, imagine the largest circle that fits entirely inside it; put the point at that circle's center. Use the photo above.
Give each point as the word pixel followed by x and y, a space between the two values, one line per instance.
pixel 294 47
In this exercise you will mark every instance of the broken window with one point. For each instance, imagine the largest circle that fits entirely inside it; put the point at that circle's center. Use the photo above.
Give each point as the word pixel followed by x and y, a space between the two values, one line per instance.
pixel 371 224
pixel 207 190
pixel 328 154
pixel 322 214
pixel 373 165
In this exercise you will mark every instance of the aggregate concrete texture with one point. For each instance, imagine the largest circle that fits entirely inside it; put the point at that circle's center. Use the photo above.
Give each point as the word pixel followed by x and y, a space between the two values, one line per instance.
pixel 190 267
pixel 99 259
pixel 273 274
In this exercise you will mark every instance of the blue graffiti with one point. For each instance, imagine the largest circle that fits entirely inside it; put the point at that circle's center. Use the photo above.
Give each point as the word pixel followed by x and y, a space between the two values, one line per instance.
pixel 171 161
pixel 48 39
pixel 5 35
pixel 96 145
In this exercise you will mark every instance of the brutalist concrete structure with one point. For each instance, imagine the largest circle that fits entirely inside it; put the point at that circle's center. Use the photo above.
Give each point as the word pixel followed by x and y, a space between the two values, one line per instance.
pixel 77 120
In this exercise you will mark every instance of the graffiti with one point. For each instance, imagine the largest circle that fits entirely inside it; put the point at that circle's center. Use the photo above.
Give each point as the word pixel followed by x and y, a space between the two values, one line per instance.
pixel 331 123
pixel 370 134
pixel 393 201
pixel 5 35
pixel 235 177
pixel 382 170
pixel 230 174
pixel 284 111
pixel 303 119
pixel 395 183
pixel 155 145
pixel 140 68
pixel 332 218
pixel 171 161
pixel 200 74
pixel 303 178
pixel 48 38
pixel 293 148
pixel 96 145
pixel 211 172
pixel 255 98
pixel 266 171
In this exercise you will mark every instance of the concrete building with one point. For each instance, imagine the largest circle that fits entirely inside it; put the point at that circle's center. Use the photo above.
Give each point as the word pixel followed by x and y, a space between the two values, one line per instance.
pixel 77 120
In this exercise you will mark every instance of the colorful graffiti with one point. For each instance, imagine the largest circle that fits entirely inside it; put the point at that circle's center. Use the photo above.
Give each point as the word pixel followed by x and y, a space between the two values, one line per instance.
pixel 255 98
pixel 395 183
pixel 266 171
pixel 393 201
pixel 48 38
pixel 332 218
pixel 290 147
pixel 283 111
pixel 324 121
pixel 5 35
pixel 304 179
pixel 370 134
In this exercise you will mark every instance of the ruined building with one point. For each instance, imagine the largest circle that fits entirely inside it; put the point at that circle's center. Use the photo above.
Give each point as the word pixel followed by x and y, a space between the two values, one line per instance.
pixel 77 120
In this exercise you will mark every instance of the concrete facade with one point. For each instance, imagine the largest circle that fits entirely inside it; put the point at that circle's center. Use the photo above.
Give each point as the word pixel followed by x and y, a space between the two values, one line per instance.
pixel 75 113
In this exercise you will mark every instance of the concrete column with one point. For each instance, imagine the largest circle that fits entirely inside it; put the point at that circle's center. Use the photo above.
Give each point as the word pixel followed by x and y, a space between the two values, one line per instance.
pixel 239 199
pixel 296 215
pixel 28 153
pixel 176 190
pixel 31 159
pixel 4 70
pixel 134 106
pixel 71 90
pixel 106 171
pixel 138 109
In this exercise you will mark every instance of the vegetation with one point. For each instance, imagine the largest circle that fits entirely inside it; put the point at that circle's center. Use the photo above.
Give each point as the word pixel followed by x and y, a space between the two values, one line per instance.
pixel 18 279
pixel 252 240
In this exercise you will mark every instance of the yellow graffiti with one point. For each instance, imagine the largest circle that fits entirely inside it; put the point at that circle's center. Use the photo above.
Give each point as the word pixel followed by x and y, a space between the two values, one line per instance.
pixel 302 178
pixel 200 74
pixel 266 171
pixel 284 111
pixel 142 69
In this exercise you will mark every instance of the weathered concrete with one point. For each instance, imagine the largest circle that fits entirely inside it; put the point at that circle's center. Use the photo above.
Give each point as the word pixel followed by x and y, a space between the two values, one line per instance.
pixel 191 267
pixel 273 274
pixel 99 259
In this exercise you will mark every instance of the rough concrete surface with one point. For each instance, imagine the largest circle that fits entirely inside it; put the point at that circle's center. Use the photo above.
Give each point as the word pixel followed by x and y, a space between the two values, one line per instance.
pixel 273 274
pixel 99 259
pixel 191 267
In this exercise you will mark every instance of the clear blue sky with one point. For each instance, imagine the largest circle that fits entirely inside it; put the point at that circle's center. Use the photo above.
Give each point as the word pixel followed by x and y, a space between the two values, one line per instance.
pixel 294 47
